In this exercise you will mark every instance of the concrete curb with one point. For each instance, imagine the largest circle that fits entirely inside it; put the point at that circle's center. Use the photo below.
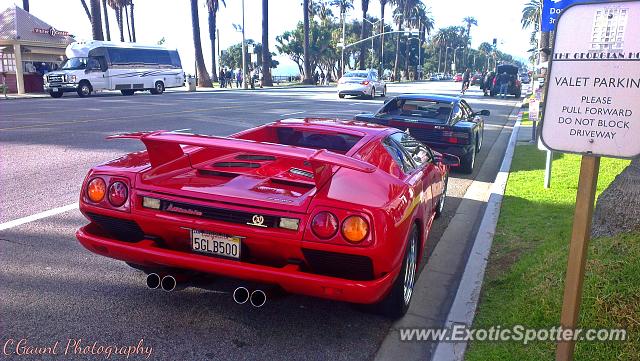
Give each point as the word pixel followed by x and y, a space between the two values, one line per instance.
pixel 466 300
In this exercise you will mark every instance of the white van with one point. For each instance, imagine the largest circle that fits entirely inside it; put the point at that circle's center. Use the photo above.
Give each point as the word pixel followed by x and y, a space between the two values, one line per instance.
pixel 105 65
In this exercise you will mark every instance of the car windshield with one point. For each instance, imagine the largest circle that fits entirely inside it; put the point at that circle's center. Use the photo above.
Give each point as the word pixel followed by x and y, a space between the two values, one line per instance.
pixel 356 74
pixel 419 108
pixel 75 63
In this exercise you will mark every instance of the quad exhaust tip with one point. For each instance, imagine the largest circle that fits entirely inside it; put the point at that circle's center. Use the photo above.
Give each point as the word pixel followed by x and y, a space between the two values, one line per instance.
pixel 153 281
pixel 258 298
pixel 168 283
pixel 241 295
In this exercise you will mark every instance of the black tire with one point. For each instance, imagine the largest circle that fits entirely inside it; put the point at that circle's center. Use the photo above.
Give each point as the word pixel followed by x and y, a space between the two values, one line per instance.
pixel 479 139
pixel 468 162
pixel 440 206
pixel 158 88
pixel 384 91
pixel 84 89
pixel 341 96
pixel 518 94
pixel 396 303
pixel 57 94
pixel 373 93
pixel 127 92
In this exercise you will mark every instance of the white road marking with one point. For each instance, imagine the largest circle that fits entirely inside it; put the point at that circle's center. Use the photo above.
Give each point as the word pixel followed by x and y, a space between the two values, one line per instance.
pixel 285 114
pixel 37 216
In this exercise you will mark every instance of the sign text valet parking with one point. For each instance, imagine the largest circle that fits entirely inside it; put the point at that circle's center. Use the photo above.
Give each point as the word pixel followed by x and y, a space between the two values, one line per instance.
pixel 592 107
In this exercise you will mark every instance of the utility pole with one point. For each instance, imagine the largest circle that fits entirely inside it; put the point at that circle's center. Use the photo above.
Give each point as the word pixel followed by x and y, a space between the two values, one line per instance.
pixel 344 20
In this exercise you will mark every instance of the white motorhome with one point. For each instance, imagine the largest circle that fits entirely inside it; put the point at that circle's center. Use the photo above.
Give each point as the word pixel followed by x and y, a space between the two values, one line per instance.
pixel 105 65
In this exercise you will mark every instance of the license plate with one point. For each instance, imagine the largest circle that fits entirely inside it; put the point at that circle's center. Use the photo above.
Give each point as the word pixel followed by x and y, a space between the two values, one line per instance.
pixel 215 244
pixel 54 89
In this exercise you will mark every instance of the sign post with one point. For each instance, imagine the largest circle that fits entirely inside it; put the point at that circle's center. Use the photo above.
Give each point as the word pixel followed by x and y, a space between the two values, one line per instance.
pixel 591 108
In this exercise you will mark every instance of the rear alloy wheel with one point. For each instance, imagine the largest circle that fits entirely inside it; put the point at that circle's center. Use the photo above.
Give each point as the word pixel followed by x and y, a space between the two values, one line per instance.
pixel 57 94
pixel 158 88
pixel 373 93
pixel 127 91
pixel 397 302
pixel 443 197
pixel 469 161
pixel 84 89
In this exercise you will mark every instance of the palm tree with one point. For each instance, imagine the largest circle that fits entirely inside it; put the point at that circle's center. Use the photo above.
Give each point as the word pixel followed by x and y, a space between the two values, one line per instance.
pixel 266 54
pixel 306 7
pixel 383 4
pixel 344 6
pixel 203 76
pixel 25 5
pixel 212 9
pixel 365 9
pixel 133 25
pixel 440 40
pixel 470 21
pixel 116 5
pixel 398 15
pixel 531 17
pixel 96 20
pixel 106 19
pixel 126 15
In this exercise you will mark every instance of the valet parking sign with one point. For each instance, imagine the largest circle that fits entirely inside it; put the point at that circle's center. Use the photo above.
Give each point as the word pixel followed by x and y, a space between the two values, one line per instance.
pixel 593 94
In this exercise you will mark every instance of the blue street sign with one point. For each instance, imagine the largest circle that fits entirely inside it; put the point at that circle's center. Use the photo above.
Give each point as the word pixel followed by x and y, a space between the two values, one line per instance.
pixel 550 11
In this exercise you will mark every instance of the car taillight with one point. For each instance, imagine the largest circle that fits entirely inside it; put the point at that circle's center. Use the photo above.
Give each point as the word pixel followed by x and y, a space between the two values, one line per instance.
pixel 494 81
pixel 455 137
pixel 96 188
pixel 324 225
pixel 355 229
pixel 118 194
pixel 366 82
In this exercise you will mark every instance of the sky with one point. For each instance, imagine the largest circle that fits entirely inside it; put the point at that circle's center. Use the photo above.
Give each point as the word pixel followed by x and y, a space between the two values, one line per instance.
pixel 171 19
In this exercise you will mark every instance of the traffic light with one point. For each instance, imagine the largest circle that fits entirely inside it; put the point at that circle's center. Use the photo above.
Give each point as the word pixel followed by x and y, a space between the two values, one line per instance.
pixel 495 42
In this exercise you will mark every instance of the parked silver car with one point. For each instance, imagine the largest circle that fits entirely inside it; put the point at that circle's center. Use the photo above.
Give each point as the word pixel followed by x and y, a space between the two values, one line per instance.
pixel 361 83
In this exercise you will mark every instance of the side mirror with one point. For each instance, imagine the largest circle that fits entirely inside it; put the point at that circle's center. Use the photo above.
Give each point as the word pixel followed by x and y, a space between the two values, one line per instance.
pixel 484 112
pixel 449 159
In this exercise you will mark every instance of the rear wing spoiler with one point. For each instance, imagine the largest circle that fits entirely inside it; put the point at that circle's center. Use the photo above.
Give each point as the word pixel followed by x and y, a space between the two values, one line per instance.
pixel 164 147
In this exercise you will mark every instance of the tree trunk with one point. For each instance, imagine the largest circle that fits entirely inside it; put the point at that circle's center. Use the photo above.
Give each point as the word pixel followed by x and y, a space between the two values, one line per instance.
pixel 363 45
pixel 544 46
pixel 25 5
pixel 395 64
pixel 307 53
pixel 618 206
pixel 212 36
pixel 126 13
pixel 381 65
pixel 406 59
pixel 86 9
pixel 203 76
pixel 96 20
pixel 106 20
pixel 120 23
pixel 133 24
pixel 266 54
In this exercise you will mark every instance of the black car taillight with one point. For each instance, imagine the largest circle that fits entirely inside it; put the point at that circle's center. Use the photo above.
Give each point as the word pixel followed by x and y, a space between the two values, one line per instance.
pixel 455 137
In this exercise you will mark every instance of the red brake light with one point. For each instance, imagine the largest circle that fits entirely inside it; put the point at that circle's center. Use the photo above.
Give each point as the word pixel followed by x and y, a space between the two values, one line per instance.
pixel 118 194
pixel 366 82
pixel 324 225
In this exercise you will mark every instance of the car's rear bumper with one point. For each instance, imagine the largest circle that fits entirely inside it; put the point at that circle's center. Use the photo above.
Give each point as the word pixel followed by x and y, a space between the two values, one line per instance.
pixel 290 277
pixel 458 150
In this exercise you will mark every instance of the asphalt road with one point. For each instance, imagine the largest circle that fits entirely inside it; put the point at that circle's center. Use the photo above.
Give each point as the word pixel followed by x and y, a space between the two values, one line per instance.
pixel 52 289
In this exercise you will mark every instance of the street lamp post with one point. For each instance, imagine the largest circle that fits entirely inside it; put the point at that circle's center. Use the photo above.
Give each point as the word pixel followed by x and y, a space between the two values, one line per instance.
pixel 344 21
pixel 446 57
pixel 372 36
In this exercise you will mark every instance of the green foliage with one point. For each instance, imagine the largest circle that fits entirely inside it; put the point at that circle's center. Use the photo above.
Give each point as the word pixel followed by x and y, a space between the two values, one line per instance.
pixel 232 56
pixel 525 275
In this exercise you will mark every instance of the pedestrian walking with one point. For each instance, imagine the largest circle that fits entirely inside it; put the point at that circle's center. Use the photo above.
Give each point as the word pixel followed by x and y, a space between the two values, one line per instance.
pixel 503 81
pixel 230 78
pixel 221 76
pixel 466 78
pixel 321 77
pixel 315 78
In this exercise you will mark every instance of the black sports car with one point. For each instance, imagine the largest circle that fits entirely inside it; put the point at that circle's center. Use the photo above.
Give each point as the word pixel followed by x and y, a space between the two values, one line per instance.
pixel 445 123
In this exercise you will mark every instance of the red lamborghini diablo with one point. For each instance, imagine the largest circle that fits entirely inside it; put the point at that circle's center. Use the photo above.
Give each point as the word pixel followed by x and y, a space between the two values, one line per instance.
pixel 332 209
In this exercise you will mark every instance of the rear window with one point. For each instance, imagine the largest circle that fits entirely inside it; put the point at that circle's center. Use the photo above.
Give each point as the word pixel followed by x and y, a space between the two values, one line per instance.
pixel 427 109
pixel 356 74
pixel 336 142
